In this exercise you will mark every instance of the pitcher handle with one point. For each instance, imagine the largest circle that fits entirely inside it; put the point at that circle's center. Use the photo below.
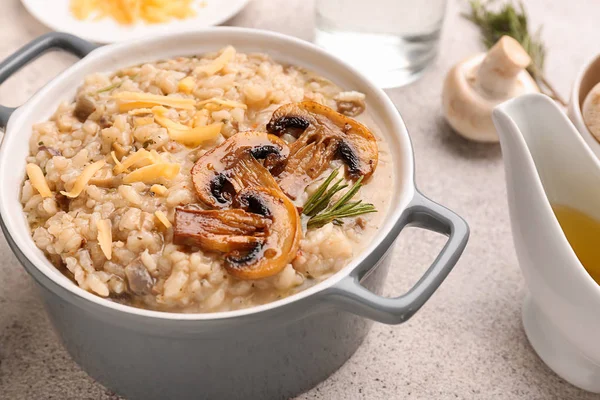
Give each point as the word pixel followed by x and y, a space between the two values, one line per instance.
pixel 351 296
pixel 34 49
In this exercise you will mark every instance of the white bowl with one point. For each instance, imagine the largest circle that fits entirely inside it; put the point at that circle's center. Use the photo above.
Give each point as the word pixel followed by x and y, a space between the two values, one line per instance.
pixel 587 78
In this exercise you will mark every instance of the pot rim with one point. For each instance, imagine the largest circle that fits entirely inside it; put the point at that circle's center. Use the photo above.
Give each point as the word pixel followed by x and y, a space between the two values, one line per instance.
pixel 404 160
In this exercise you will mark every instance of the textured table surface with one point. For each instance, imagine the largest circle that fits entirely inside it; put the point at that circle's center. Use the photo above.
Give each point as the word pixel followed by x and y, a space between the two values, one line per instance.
pixel 466 343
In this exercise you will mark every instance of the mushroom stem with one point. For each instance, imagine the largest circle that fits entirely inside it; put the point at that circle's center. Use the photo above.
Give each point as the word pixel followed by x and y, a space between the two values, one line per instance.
pixel 498 73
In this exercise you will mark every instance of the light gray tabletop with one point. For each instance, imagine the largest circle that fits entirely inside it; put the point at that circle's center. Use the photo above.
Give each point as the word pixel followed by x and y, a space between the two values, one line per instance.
pixel 466 343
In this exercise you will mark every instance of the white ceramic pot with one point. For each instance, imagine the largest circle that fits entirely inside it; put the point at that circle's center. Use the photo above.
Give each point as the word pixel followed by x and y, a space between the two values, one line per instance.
pixel 271 351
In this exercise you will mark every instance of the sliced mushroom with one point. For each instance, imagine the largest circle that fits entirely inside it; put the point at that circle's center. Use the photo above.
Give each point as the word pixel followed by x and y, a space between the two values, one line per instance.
pixel 138 278
pixel 225 170
pixel 259 238
pixel 219 230
pixel 322 135
pixel 84 107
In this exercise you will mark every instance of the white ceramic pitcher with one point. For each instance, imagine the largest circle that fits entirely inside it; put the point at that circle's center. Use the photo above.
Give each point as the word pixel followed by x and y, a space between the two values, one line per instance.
pixel 548 163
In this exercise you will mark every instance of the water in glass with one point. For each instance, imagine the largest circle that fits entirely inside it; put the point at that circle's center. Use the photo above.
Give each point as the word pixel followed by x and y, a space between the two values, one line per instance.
pixel 391 41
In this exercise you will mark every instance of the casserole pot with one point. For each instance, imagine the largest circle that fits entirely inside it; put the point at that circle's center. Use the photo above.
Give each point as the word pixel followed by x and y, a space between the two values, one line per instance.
pixel 271 351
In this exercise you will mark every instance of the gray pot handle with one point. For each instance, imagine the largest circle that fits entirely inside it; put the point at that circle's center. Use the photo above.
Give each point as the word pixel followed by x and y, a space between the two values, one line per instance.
pixel 351 296
pixel 34 49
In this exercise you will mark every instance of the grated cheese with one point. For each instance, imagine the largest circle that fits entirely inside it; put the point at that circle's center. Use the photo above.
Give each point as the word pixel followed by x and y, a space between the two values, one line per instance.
pixel 129 12
pixel 83 179
pixel 131 100
pixel 192 137
pixel 218 63
pixel 105 237
pixel 163 219
pixel 187 85
pixel 120 151
pixel 141 158
pixel 223 102
pixel 140 111
pixel 152 173
pixel 37 179
pixel 158 189
pixel 117 162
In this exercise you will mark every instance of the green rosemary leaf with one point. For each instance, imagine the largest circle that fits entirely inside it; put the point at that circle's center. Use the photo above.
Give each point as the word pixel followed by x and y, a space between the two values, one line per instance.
pixel 327 217
pixel 316 197
pixel 109 88
pixel 321 213
pixel 349 194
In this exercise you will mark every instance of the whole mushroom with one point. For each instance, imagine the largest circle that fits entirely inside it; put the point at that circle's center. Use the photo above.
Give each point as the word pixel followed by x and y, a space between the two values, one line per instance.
pixel 476 85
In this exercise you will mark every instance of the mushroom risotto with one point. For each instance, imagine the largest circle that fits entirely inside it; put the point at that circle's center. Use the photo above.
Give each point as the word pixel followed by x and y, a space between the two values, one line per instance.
pixel 202 184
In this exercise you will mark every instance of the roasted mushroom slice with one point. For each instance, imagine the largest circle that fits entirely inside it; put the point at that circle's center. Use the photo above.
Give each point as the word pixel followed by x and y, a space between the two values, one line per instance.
pixel 322 135
pixel 225 170
pixel 259 238
pixel 219 230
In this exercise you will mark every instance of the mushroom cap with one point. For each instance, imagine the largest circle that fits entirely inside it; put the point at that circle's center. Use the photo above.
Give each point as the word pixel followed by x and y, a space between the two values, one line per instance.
pixel 223 171
pixel 467 108
pixel 591 111
pixel 322 135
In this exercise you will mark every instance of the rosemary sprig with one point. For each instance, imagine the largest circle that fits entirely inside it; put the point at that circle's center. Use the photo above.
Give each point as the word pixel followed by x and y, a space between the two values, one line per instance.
pixel 512 20
pixel 321 213
pixel 109 88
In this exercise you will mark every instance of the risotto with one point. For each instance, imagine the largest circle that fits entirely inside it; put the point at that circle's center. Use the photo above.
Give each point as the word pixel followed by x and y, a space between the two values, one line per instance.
pixel 203 184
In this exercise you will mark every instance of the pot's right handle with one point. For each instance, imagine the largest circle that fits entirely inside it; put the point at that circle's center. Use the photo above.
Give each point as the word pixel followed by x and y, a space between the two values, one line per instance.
pixel 34 49
pixel 351 296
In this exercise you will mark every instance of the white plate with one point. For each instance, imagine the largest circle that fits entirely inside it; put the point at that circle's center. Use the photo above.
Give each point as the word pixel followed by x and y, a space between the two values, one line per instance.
pixel 56 15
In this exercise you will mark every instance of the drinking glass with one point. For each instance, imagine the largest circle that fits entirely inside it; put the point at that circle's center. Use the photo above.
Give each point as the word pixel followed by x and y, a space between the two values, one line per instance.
pixel 391 41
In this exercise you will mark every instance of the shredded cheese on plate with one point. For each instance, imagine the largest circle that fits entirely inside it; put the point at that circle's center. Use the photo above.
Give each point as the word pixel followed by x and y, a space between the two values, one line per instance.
pixel 129 12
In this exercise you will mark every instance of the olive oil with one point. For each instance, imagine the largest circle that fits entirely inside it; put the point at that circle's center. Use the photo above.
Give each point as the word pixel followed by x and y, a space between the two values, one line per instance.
pixel 583 234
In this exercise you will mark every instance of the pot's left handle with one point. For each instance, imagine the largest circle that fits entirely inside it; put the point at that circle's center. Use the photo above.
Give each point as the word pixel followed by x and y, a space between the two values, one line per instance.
pixel 34 49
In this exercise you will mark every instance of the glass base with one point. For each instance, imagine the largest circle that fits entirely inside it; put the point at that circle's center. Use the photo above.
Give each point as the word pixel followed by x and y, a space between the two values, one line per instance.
pixel 387 60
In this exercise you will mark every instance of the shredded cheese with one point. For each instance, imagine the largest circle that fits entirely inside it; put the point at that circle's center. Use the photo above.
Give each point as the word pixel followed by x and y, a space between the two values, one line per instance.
pixel 129 12
pixel 83 179
pixel 140 111
pixel 119 149
pixel 140 158
pixel 218 63
pixel 158 189
pixel 187 84
pixel 223 102
pixel 156 158
pixel 163 219
pixel 152 173
pixel 117 162
pixel 131 100
pixel 105 237
pixel 37 180
pixel 192 137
